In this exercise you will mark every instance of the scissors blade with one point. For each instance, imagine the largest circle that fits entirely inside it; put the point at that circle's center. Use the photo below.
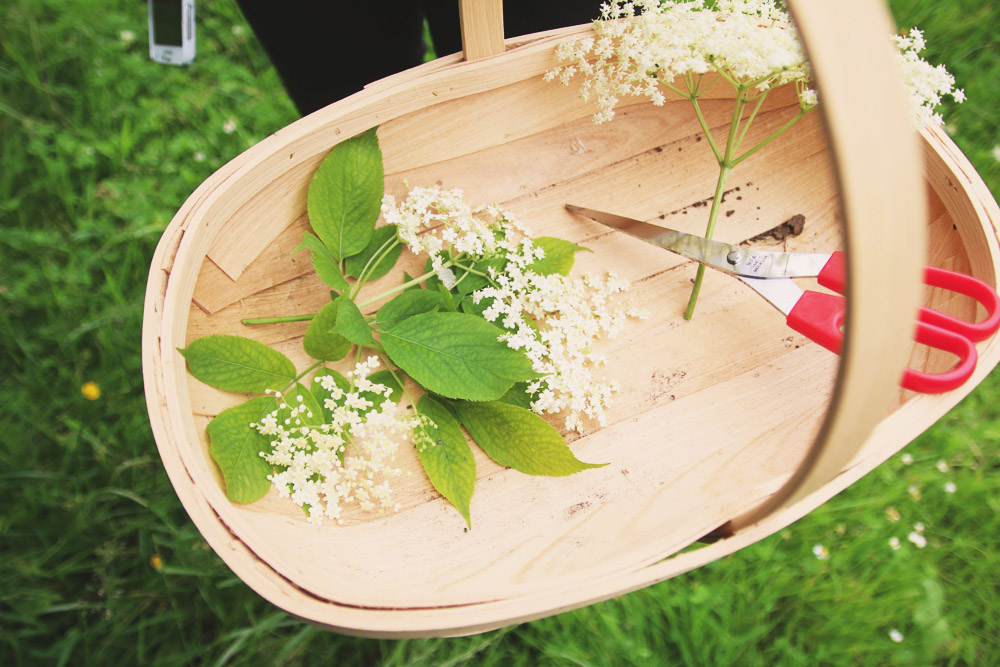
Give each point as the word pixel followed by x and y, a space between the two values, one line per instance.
pixel 725 257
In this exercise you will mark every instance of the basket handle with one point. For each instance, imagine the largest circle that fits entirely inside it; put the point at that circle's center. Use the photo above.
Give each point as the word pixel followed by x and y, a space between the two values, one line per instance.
pixel 482 28
pixel 879 170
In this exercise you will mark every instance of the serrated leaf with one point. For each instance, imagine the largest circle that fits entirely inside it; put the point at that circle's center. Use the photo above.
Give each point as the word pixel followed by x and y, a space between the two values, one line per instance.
pixel 351 323
pixel 520 439
pixel 345 195
pixel 559 256
pixel 456 355
pixel 380 237
pixel 407 305
pixel 236 448
pixel 449 462
pixel 319 343
pixel 235 363
pixel 324 263
pixel 518 395
pixel 321 394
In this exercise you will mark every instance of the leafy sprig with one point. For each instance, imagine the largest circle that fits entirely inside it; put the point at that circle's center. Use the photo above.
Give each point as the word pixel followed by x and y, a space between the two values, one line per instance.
pixel 434 331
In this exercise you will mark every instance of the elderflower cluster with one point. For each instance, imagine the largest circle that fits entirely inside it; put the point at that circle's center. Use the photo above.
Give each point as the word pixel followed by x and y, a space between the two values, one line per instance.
pixel 322 467
pixel 747 41
pixel 641 46
pixel 435 221
pixel 925 83
pixel 554 319
pixel 571 315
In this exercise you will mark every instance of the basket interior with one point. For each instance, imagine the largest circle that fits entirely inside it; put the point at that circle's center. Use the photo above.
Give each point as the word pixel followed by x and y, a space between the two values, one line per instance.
pixel 712 416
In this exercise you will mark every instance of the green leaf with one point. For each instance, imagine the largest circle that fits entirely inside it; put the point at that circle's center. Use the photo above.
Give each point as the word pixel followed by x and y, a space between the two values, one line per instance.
pixel 468 282
pixel 388 380
pixel 456 355
pixel 324 262
pixel 235 363
pixel 236 448
pixel 407 305
pixel 345 195
pixel 319 343
pixel 380 237
pixel 351 323
pixel 518 395
pixel 321 394
pixel 520 439
pixel 559 255
pixel 448 460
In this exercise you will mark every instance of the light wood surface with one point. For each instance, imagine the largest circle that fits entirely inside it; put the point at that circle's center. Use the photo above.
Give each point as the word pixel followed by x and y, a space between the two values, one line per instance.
pixel 715 415
pixel 482 28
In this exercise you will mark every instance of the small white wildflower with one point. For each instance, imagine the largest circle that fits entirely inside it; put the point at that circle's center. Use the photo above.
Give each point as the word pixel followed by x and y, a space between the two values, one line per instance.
pixel 919 527
pixel 950 487
pixel 894 543
pixel 895 635
pixel 943 466
pixel 229 126
pixel 907 459
pixel 821 552
pixel 199 156
pixel 919 540
pixel 995 153
pixel 914 492
pixel 893 514
pixel 126 36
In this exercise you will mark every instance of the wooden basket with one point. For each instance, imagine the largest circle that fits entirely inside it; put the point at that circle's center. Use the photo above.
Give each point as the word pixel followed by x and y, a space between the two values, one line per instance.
pixel 729 425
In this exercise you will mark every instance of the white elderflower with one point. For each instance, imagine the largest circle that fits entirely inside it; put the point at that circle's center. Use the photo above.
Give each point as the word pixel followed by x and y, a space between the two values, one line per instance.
pixel 434 220
pixel 323 466
pixel 750 42
pixel 557 321
pixel 642 47
pixel 926 84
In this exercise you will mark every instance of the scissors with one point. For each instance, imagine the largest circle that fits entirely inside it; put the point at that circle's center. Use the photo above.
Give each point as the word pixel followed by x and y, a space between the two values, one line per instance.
pixel 820 316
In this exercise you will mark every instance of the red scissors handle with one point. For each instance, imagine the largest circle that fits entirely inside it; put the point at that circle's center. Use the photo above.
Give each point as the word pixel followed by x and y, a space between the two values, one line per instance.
pixel 834 276
pixel 820 317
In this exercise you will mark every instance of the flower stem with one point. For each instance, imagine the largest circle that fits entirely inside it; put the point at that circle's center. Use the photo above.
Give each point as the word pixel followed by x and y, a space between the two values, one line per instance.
pixel 400 288
pixel 777 133
pixel 725 166
pixel 373 262
pixel 720 188
pixel 300 376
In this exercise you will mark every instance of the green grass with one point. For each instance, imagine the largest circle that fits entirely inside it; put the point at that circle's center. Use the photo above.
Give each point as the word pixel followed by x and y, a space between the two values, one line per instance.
pixel 99 146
